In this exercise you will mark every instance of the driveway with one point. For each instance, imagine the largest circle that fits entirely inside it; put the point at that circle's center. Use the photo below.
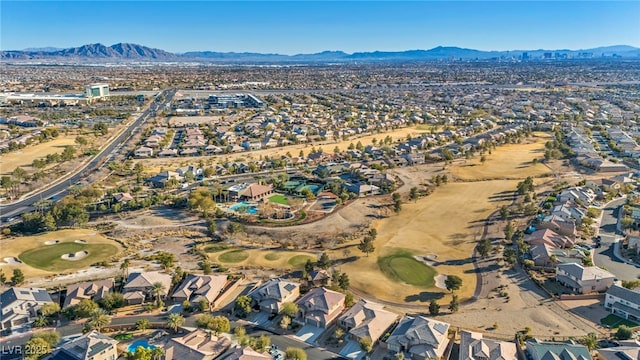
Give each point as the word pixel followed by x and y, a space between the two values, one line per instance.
pixel 309 334
pixel 261 319
pixel 604 255
pixel 352 350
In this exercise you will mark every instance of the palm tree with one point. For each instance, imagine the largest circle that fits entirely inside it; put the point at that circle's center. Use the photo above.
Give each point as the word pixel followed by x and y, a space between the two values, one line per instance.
pixel 156 353
pixel 174 321
pixel 41 321
pixel 157 288
pixel 99 319
pixel 125 268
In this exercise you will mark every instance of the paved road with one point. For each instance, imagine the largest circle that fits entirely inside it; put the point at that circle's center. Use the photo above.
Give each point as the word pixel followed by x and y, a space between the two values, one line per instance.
pixel 59 190
pixel 604 255
pixel 68 329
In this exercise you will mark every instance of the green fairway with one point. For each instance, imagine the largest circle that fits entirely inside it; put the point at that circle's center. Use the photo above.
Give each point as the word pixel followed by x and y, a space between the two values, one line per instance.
pixel 234 256
pixel 279 199
pixel 298 261
pixel 403 267
pixel 272 256
pixel 49 257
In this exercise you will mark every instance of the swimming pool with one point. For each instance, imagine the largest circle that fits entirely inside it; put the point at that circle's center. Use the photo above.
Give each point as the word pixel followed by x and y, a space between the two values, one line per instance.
pixel 244 208
pixel 140 342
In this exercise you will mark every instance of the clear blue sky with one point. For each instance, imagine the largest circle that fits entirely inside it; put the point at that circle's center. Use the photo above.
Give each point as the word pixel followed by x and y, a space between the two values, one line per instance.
pixel 290 27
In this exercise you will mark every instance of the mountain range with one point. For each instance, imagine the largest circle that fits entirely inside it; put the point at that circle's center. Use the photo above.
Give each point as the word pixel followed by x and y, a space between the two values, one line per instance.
pixel 134 52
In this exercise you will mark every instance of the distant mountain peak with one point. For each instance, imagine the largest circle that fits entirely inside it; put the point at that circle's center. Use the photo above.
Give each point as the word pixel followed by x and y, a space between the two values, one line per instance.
pixel 128 51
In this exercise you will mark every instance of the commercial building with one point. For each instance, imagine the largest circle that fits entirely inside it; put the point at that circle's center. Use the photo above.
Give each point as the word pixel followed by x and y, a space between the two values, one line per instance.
pixel 96 91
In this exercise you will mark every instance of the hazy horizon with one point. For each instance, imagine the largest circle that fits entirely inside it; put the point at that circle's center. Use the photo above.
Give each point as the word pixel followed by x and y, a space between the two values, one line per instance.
pixel 295 27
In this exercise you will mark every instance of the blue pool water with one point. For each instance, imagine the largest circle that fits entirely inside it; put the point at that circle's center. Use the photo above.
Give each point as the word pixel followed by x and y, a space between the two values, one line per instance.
pixel 244 208
pixel 140 342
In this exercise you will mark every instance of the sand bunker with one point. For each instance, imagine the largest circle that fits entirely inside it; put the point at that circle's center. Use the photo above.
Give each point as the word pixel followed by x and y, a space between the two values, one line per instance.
pixel 12 260
pixel 440 281
pixel 75 256
pixel 52 242
pixel 80 241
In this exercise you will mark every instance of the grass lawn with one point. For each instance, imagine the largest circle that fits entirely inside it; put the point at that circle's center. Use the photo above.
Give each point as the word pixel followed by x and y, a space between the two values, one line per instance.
pixel 272 256
pixel 49 258
pixel 298 261
pixel 403 267
pixel 511 161
pixel 234 256
pixel 279 199
pixel 614 321
pixel 215 248
pixel 25 157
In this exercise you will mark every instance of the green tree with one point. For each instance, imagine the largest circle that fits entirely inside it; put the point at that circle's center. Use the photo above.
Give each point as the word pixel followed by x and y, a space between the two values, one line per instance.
pixel 125 268
pixel 112 301
pixel 454 305
pixel 624 333
pixel 289 309
pixel 243 305
pixel 434 308
pixel 143 324
pixel 509 255
pixel 17 278
pixel 484 247
pixel 36 348
pixel 52 337
pixel 343 282
pixel 453 282
pixel 84 308
pixel 174 321
pixel 285 322
pixel 40 321
pixel 509 231
pixel 203 305
pixel 324 262
pixel 50 309
pixel 293 353
pixel 261 343
pixel 201 200
pixel 3 278
pixel 366 344
pixel 98 320
pixel 157 288
pixel 219 324
pixel 630 284
pixel 366 245
pixel 590 341
pixel 504 212
pixel 413 193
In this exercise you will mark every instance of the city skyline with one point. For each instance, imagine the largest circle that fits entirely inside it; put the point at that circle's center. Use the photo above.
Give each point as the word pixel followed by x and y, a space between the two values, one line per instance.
pixel 309 27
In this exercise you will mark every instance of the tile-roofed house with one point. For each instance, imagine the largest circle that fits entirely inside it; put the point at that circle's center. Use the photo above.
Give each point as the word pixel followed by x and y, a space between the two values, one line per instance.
pixel 197 287
pixel 558 224
pixel 196 345
pixel 367 319
pixel 94 290
pixel 246 353
pixel 139 286
pixel 582 279
pixel 90 346
pixel 619 353
pixel 122 197
pixel 623 302
pixel 271 295
pixel 419 337
pixel 474 347
pixel 19 306
pixel 319 277
pixel 547 350
pixel 320 306
pixel 549 237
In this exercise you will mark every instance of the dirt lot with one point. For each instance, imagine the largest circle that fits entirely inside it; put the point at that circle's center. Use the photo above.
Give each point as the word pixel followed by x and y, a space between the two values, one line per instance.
pixel 24 157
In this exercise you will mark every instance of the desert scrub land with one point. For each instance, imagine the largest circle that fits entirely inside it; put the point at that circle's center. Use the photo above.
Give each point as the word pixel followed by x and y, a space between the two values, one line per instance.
pixel 41 254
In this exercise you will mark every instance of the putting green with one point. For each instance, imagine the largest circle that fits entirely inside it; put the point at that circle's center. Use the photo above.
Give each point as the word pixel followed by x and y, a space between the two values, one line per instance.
pixel 272 256
pixel 403 267
pixel 234 256
pixel 279 199
pixel 298 261
pixel 49 257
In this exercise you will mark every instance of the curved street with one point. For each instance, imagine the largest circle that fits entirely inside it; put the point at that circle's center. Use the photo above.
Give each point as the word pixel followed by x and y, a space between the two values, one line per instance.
pixel 605 256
